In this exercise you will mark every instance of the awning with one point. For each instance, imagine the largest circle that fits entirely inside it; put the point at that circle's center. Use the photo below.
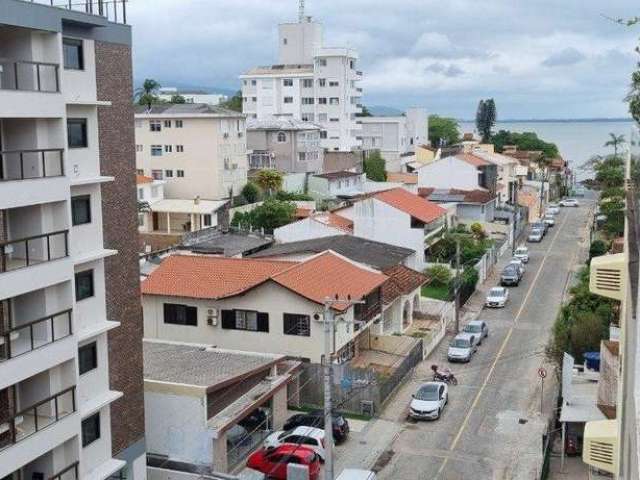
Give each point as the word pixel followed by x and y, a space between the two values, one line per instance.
pixel 583 405
pixel 202 207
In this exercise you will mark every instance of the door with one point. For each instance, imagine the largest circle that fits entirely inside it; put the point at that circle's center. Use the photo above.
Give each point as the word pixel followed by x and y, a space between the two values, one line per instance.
pixel 155 220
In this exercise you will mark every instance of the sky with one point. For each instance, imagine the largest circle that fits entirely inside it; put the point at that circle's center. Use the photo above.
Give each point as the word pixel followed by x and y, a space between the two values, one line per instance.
pixel 536 58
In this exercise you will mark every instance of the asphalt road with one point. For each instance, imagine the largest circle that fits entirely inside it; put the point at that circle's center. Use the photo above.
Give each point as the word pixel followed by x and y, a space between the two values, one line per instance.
pixel 492 427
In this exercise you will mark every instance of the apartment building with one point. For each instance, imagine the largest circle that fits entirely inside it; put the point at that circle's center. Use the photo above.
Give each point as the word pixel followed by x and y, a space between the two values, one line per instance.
pixel 311 82
pixel 199 150
pixel 71 389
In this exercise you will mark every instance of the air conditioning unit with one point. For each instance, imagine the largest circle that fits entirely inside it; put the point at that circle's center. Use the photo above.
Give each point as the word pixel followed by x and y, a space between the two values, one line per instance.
pixel 212 316
pixel 601 445
pixel 608 276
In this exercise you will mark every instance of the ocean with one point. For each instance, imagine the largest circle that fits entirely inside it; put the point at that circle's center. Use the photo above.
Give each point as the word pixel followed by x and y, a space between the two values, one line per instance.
pixel 577 140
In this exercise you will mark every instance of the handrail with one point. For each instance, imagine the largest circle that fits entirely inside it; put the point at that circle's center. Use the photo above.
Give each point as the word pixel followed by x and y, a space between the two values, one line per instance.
pixel 5 174
pixel 73 466
pixel 92 7
pixel 29 261
pixel 18 82
pixel 30 325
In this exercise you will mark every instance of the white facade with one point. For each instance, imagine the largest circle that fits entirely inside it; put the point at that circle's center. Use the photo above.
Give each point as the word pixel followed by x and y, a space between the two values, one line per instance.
pixel 449 172
pixel 305 229
pixel 51 231
pixel 312 83
pixel 167 94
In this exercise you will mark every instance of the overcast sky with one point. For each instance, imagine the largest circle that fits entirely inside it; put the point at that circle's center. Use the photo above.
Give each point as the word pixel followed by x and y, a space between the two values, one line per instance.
pixel 537 58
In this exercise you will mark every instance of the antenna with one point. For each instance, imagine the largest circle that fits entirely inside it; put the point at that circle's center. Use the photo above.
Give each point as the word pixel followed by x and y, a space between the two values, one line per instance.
pixel 300 11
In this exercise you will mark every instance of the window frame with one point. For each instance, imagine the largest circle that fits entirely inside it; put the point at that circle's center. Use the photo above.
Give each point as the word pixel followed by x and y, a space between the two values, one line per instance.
pixel 85 137
pixel 230 320
pixel 179 124
pixel 92 348
pixel 179 173
pixel 281 137
pixel 79 45
pixel 85 199
pixel 155 126
pixel 179 148
pixel 83 274
pixel 289 318
pixel 168 149
pixel 287 100
pixel 287 82
pixel 158 149
pixel 94 422
pixel 166 123
pixel 188 310
pixel 168 173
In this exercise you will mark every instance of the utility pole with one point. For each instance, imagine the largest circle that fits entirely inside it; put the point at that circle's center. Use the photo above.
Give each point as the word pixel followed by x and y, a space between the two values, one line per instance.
pixel 301 11
pixel 329 329
pixel 456 300
pixel 515 216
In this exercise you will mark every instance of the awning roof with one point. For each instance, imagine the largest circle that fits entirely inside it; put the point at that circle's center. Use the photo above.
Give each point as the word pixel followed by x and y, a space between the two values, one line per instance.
pixel 583 406
pixel 171 205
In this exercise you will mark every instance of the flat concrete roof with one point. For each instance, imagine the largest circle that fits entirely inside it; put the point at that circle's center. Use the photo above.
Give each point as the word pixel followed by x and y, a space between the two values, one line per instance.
pixel 174 205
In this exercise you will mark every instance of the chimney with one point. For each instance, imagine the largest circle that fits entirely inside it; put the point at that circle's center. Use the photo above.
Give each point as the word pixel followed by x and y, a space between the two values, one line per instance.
pixel 223 217
pixel 196 200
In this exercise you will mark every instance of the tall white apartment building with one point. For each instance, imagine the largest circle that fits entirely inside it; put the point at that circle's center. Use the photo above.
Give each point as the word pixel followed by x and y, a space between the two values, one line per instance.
pixel 311 82
pixel 70 351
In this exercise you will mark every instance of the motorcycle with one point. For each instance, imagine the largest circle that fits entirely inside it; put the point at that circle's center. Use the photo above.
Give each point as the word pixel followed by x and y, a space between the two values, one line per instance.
pixel 445 376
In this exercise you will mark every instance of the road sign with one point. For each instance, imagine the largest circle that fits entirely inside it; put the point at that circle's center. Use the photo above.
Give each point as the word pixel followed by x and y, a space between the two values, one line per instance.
pixel 542 373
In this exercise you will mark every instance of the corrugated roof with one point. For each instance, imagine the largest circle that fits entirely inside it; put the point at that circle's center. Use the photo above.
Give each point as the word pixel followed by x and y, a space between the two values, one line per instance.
pixel 417 207
pixel 337 175
pixel 186 109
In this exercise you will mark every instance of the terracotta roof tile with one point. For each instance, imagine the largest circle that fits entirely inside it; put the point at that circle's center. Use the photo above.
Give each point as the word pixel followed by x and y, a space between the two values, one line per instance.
pixel 409 178
pixel 402 281
pixel 412 204
pixel 472 159
pixel 143 179
pixel 199 276
pixel 334 220
pixel 302 212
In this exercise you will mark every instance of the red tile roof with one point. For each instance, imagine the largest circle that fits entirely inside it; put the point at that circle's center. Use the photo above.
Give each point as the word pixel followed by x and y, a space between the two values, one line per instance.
pixel 471 196
pixel 327 275
pixel 143 179
pixel 473 160
pixel 409 178
pixel 334 220
pixel 402 281
pixel 302 212
pixel 412 204
pixel 199 276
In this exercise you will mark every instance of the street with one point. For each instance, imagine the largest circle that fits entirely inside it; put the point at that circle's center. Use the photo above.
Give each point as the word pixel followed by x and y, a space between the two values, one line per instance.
pixel 492 427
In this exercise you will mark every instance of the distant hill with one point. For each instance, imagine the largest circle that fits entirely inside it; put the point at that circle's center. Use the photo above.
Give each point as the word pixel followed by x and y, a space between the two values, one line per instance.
pixel 189 86
pixel 557 120
pixel 383 111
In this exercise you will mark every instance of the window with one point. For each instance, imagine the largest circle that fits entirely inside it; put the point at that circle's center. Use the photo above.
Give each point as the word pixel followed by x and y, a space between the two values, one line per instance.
pixel 307 117
pixel 352 64
pixel 155 125
pixel 322 117
pixel 179 148
pixel 302 156
pixel 287 82
pixel 245 320
pixel 322 82
pixel 80 209
pixel 156 150
pixel 322 100
pixel 90 429
pixel 254 99
pixel 180 173
pixel 141 219
pixel 244 82
pixel 244 99
pixel 206 219
pixel 139 148
pixel 284 41
pixel 178 123
pixel 167 124
pixel 334 84
pixel 155 191
pixel 253 83
pixel 88 357
pixel 295 324
pixel 141 194
pixel 334 101
pixel 334 119
pixel 84 285
pixel 73 54
pixel 168 173
pixel 323 134
pixel 307 83
pixel 177 314
pixel 282 137
pixel 322 62
pixel 156 174
pixel 77 132
pixel 168 148
pixel 288 99
pixel 307 100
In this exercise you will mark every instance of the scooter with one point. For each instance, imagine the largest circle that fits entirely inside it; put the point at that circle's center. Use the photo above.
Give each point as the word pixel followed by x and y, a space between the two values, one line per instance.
pixel 445 376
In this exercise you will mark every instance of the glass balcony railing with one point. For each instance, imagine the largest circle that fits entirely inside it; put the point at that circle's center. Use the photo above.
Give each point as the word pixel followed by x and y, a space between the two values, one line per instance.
pixel 29 76
pixel 25 252
pixel 112 10
pixel 69 473
pixel 30 164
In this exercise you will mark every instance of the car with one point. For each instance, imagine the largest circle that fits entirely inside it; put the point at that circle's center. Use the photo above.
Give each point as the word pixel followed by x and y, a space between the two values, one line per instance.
pixel 429 401
pixel 549 220
pixel 540 226
pixel 497 297
pixel 522 253
pixel 479 328
pixel 569 202
pixel 462 348
pixel 518 263
pixel 315 418
pixel 510 276
pixel 273 461
pixel 553 208
pixel 308 436
pixel 535 235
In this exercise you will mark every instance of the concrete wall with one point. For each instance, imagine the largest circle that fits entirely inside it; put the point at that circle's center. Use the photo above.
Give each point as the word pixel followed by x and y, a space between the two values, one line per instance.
pixel 449 172
pixel 304 230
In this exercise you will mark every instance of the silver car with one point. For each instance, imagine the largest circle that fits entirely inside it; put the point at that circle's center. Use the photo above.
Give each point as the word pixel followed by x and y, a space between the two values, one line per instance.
pixel 535 235
pixel 477 328
pixel 462 348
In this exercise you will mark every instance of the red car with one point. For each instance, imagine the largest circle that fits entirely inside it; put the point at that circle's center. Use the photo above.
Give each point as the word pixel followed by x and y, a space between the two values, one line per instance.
pixel 273 461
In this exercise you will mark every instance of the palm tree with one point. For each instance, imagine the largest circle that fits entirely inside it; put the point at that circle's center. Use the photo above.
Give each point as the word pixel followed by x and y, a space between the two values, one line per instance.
pixel 615 142
pixel 148 93
pixel 143 207
pixel 269 181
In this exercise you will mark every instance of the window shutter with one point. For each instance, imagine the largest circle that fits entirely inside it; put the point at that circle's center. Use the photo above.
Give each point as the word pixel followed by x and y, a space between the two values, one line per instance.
pixel 228 319
pixel 263 322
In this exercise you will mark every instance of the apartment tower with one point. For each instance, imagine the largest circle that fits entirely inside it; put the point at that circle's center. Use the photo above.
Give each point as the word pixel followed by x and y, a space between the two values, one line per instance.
pixel 71 392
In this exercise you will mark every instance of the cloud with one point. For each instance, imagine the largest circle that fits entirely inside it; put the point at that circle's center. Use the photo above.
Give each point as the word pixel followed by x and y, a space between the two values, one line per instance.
pixel 564 58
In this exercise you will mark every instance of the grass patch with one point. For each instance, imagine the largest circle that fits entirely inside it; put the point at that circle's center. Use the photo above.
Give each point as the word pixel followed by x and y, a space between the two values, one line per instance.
pixel 439 292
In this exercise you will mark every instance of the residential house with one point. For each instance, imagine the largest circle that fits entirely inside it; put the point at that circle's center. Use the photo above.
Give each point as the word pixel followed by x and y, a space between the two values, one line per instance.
pixel 335 184
pixel 508 179
pixel 71 389
pixel 192 96
pixel 470 205
pixel 197 400
pixel 317 225
pixel 198 149
pixel 284 144
pixel 464 171
pixel 310 82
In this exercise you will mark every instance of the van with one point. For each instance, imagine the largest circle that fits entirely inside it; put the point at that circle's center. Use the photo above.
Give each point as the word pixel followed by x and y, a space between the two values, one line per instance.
pixel 356 474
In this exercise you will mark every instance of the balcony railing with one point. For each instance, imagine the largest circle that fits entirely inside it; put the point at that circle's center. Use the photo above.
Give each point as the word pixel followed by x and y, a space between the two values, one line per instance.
pixel 366 312
pixel 37 417
pixel 30 164
pixel 112 10
pixel 29 76
pixel 25 252
pixel 35 334
pixel 69 473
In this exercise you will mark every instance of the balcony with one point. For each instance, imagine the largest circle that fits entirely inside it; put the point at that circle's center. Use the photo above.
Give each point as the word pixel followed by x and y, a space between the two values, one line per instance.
pixel 36 334
pixel 69 473
pixel 34 250
pixel 26 75
pixel 37 417
pixel 31 164
pixel 44 466
pixel 111 10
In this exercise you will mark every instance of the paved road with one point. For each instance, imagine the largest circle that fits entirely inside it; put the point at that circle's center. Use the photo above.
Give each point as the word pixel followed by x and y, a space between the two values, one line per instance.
pixel 492 427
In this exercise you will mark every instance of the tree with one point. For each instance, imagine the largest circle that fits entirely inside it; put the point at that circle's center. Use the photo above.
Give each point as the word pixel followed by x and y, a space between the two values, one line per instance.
pixel 143 206
pixel 598 248
pixel 524 141
pixel 633 98
pixel 443 131
pixel 374 167
pixel 250 192
pixel 486 118
pixel 478 231
pixel 235 102
pixel 293 196
pixel 615 141
pixel 148 93
pixel 178 99
pixel 268 216
pixel 440 275
pixel 364 113
pixel 269 181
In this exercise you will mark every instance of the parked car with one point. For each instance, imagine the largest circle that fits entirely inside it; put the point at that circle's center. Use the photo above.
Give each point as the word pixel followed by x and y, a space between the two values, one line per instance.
pixel 479 328
pixel 510 276
pixel 569 202
pixel 462 348
pixel 273 461
pixel 522 253
pixel 553 208
pixel 535 235
pixel 429 401
pixel 541 226
pixel 315 418
pixel 518 263
pixel 308 436
pixel 549 220
pixel 497 297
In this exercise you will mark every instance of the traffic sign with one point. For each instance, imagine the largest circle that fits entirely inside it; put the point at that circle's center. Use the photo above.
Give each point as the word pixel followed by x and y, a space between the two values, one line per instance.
pixel 542 373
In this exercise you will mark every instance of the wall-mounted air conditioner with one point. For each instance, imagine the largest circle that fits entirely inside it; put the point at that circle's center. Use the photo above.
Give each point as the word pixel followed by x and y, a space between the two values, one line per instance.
pixel 212 316
pixel 608 276
pixel 601 445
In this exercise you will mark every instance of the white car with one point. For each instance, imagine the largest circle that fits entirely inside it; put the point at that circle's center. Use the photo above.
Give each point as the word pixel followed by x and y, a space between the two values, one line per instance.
pixel 518 263
pixel 479 328
pixel 429 401
pixel 497 297
pixel 522 253
pixel 569 202
pixel 549 220
pixel 308 436
pixel 462 348
pixel 553 209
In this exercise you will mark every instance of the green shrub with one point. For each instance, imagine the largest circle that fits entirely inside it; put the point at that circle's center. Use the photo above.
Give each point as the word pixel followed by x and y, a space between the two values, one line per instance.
pixel 251 192
pixel 598 247
pixel 439 274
